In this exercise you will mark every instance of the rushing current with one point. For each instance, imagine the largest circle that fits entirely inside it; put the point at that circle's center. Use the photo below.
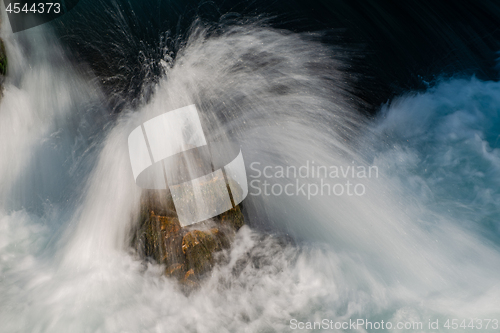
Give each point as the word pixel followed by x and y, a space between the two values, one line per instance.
pixel 418 242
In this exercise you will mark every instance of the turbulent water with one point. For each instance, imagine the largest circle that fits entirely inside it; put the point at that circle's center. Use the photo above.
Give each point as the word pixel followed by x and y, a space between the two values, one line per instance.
pixel 420 244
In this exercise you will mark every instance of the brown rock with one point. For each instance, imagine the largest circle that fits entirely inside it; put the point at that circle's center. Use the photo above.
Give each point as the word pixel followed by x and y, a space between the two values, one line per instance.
pixel 3 65
pixel 187 252
pixel 199 248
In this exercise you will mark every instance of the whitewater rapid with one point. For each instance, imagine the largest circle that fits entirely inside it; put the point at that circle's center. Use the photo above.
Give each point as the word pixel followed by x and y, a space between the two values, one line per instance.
pixel 420 245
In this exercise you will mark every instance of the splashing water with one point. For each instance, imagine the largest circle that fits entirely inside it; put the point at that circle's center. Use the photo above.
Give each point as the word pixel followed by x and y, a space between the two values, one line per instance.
pixel 421 244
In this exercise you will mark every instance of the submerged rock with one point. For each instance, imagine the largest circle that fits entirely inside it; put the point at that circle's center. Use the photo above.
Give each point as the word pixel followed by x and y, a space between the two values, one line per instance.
pixel 3 59
pixel 188 252
pixel 3 65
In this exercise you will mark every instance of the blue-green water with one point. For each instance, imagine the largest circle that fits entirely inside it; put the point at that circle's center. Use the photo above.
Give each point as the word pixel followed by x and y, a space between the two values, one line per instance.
pixel 453 137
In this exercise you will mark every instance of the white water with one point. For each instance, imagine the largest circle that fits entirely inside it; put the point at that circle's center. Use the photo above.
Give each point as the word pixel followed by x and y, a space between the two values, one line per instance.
pixel 402 252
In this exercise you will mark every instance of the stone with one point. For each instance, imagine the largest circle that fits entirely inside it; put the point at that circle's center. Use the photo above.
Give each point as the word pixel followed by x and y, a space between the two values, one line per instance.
pixel 188 253
pixel 3 65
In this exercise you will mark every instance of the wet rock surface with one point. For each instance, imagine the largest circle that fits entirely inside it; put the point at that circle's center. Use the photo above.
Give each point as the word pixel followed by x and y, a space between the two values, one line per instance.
pixel 3 65
pixel 188 253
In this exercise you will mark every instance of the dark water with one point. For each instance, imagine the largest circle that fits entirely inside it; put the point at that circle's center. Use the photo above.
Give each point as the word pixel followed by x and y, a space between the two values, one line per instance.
pixel 390 47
